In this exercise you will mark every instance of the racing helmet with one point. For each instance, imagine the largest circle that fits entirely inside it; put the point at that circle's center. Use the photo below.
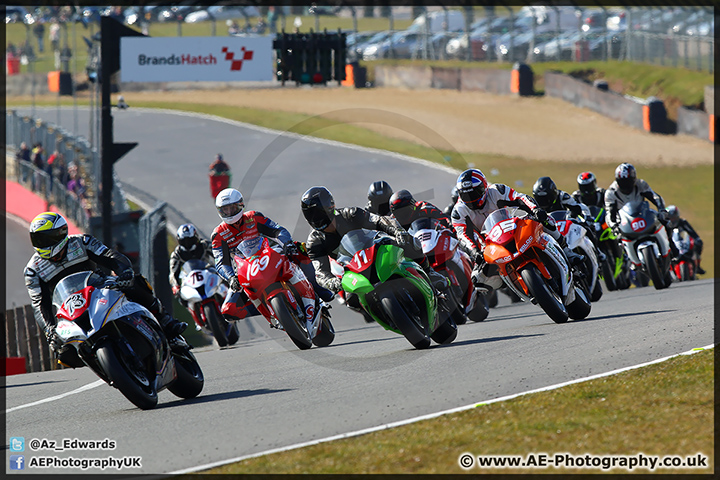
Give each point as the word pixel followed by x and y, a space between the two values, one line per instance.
pixel 673 216
pixel 472 188
pixel 625 176
pixel 454 195
pixel 230 205
pixel 187 236
pixel 318 207
pixel 402 206
pixel 545 192
pixel 379 195
pixel 49 235
pixel 587 183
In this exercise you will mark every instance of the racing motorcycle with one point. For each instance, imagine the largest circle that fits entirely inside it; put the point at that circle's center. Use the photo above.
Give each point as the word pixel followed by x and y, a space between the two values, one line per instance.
pixel 532 264
pixel 442 251
pixel 121 341
pixel 578 241
pixel 615 269
pixel 203 290
pixel 646 242
pixel 265 276
pixel 392 289
pixel 685 267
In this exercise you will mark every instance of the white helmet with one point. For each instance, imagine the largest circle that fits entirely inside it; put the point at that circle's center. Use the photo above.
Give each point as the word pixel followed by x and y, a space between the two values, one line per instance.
pixel 230 205
pixel 187 236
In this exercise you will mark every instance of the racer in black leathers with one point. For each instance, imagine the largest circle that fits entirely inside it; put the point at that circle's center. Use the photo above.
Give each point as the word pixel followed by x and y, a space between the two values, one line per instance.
pixel 76 253
pixel 379 197
pixel 330 225
pixel 405 209
pixel 552 199
pixel 454 195
pixel 675 221
pixel 190 247
pixel 588 192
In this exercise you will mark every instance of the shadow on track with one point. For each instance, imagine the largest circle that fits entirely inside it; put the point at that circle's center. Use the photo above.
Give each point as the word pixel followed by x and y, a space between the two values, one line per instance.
pixel 34 383
pixel 487 340
pixel 221 396
pixel 620 315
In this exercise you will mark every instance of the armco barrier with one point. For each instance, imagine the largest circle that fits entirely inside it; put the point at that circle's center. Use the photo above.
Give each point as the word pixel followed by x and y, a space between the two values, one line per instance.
pixel 646 115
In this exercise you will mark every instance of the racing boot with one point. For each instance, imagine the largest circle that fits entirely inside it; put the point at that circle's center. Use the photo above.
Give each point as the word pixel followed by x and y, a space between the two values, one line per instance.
pixel 438 282
pixel 171 326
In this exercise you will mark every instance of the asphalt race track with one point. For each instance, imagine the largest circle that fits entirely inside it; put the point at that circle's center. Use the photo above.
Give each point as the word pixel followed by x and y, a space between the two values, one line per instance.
pixel 263 393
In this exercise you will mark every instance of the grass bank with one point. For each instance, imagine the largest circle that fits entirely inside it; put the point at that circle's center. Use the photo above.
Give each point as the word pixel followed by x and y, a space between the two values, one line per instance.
pixel 688 188
pixel 662 409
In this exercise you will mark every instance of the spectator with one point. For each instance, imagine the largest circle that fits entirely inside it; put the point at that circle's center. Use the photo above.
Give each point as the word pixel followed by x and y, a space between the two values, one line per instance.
pixel 12 51
pixel 233 27
pixel 39 31
pixel 76 185
pixel 23 154
pixel 37 160
pixel 60 170
pixel 55 35
pixel 49 169
pixel 27 54
pixel 219 167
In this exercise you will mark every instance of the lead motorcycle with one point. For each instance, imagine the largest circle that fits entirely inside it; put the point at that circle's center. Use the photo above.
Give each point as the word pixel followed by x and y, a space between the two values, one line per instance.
pixel 265 274
pixel 532 264
pixel 392 289
pixel 442 251
pixel 122 342
pixel 646 242
pixel 204 291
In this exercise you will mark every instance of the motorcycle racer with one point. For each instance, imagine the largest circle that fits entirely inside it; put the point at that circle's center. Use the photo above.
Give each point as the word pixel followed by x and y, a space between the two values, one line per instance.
pixel 588 192
pixel 405 209
pixel 190 247
pixel 58 255
pixel 378 198
pixel 238 225
pixel 675 221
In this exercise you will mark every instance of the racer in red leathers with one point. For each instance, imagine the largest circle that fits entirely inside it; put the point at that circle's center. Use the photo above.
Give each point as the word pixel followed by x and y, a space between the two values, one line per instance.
pixel 406 210
pixel 239 225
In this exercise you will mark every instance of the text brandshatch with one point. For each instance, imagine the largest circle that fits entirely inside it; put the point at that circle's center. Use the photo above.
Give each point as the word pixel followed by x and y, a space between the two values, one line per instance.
pixel 178 60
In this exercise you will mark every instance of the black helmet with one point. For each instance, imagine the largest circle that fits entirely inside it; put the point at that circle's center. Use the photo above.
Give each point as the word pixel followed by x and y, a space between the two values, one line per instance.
pixel 673 216
pixel 379 194
pixel 625 176
pixel 472 187
pixel 402 206
pixel 318 207
pixel 587 183
pixel 545 192
pixel 187 236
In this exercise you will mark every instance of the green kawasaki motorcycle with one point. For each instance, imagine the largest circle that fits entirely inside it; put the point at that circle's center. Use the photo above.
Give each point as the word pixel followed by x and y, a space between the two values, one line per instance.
pixel 392 289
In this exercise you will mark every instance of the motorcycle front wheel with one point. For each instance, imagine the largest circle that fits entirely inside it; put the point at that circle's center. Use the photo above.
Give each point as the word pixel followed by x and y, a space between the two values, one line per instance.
pixel 403 321
pixel 653 269
pixel 126 376
pixel 325 334
pixel 294 325
pixel 190 380
pixel 545 297
pixel 217 324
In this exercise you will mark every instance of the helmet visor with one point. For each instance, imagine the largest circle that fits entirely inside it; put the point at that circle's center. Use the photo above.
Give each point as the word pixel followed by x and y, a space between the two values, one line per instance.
pixel 404 214
pixel 317 218
pixel 187 242
pixel 231 209
pixel 626 185
pixel 474 194
pixel 48 238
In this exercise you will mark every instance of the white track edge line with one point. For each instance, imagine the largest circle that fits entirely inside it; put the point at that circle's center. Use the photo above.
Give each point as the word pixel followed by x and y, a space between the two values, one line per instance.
pixel 89 386
pixel 431 415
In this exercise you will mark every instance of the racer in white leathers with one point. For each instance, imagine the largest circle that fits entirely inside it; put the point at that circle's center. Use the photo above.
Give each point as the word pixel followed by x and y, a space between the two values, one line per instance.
pixel 478 200
pixel 628 188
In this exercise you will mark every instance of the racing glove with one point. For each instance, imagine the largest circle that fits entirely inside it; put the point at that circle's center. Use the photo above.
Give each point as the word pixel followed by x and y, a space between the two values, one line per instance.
pixel 126 279
pixel 663 216
pixel 334 284
pixel 404 239
pixel 176 290
pixel 291 249
pixel 52 338
pixel 235 284
pixel 541 215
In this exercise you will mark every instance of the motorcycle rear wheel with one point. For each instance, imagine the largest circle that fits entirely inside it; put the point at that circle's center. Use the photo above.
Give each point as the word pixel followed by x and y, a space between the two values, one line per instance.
pixel 545 297
pixel 215 321
pixel 293 325
pixel 402 320
pixel 135 386
pixel 190 380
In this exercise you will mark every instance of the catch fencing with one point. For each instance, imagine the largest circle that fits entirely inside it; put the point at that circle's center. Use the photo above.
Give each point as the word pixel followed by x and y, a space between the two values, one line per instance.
pixel 26 343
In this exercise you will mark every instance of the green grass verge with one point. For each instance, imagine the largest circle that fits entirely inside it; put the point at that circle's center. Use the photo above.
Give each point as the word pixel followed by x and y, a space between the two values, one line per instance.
pixel 687 188
pixel 662 409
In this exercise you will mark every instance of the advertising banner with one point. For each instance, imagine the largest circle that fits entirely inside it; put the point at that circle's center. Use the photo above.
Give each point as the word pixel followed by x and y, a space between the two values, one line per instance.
pixel 188 59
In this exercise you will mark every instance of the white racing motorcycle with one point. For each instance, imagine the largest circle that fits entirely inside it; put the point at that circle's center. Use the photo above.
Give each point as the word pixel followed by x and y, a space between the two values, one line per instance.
pixel 122 342
pixel 578 241
pixel 204 291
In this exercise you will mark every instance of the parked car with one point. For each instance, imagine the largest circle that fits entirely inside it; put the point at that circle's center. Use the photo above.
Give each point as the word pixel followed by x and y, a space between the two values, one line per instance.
pixel 376 39
pixel 353 40
pixel 221 12
pixel 16 15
